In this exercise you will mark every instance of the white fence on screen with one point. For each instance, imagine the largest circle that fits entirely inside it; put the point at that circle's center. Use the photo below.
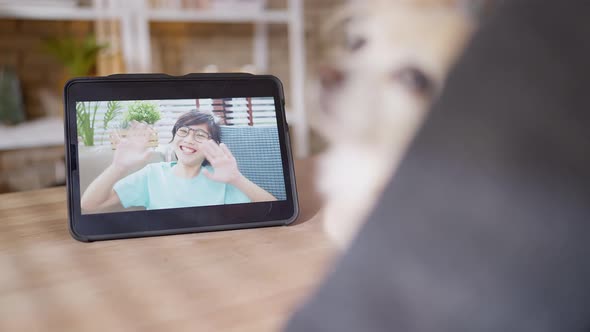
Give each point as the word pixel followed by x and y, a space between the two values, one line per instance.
pixel 255 111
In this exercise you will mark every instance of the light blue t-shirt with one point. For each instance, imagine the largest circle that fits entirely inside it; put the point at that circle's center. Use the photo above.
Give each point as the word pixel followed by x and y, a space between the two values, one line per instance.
pixel 156 187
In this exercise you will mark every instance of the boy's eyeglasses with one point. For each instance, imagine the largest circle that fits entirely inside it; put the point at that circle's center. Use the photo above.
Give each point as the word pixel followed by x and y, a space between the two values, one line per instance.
pixel 199 135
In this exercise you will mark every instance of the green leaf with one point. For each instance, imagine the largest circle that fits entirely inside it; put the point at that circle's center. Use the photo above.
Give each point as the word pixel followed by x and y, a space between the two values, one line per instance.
pixel 78 56
pixel 84 122
pixel 113 110
pixel 143 111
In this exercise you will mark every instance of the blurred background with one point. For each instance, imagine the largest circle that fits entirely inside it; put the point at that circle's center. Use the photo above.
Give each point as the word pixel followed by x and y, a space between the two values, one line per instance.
pixel 43 43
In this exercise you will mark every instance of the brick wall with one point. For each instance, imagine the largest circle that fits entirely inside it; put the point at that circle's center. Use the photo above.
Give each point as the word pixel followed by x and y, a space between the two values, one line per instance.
pixel 178 48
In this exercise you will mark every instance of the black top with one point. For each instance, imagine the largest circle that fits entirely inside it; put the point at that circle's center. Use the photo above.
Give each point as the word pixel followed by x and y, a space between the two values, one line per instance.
pixel 486 226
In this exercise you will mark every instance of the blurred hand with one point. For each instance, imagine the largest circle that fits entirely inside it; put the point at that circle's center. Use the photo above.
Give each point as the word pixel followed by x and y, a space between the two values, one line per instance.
pixel 132 151
pixel 223 162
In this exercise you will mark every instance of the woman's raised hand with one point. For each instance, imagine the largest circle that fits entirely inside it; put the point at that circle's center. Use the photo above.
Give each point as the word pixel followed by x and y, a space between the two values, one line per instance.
pixel 223 162
pixel 132 151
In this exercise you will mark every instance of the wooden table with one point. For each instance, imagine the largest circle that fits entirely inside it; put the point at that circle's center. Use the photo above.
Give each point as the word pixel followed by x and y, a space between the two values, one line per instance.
pixel 245 280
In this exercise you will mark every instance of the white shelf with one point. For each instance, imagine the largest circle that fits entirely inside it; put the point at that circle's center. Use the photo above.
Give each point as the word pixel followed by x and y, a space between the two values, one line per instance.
pixel 52 13
pixel 48 132
pixel 164 15
pixel 212 16
pixel 135 15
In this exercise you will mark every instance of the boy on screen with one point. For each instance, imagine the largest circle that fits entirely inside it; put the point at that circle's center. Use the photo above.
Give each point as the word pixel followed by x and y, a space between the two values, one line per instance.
pixel 206 172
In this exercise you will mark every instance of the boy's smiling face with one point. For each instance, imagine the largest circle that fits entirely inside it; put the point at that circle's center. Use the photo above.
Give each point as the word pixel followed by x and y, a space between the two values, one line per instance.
pixel 188 149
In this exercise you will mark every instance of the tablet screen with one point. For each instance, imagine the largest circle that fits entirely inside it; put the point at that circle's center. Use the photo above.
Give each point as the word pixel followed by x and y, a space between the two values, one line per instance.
pixel 177 153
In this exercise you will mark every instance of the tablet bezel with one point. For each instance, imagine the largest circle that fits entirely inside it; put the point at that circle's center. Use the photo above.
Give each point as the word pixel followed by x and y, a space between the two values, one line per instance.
pixel 103 226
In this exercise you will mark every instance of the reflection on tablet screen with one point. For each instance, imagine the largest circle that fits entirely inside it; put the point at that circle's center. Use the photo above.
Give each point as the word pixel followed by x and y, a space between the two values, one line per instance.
pixel 164 154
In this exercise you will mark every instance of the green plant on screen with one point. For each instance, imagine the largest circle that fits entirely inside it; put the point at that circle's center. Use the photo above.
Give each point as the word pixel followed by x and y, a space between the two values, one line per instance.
pixel 114 108
pixel 142 111
pixel 86 117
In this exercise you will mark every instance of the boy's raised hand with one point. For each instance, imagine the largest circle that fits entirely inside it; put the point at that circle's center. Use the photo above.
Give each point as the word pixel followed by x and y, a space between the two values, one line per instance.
pixel 223 162
pixel 132 151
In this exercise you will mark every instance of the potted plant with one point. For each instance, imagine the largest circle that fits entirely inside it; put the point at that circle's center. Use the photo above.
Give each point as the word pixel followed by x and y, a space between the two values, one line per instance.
pixel 86 119
pixel 78 57
pixel 12 111
pixel 144 112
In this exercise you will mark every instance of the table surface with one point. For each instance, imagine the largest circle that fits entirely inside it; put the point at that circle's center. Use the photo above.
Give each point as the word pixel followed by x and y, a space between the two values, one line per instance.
pixel 243 280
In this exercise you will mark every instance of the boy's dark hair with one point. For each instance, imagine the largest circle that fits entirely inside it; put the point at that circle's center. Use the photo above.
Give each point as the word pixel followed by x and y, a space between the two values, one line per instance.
pixel 196 118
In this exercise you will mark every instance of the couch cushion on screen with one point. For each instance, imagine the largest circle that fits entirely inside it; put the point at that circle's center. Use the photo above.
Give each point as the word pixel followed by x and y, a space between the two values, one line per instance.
pixel 258 154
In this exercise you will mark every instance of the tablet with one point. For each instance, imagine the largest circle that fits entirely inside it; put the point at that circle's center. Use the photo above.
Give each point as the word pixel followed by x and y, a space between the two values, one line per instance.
pixel 152 154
